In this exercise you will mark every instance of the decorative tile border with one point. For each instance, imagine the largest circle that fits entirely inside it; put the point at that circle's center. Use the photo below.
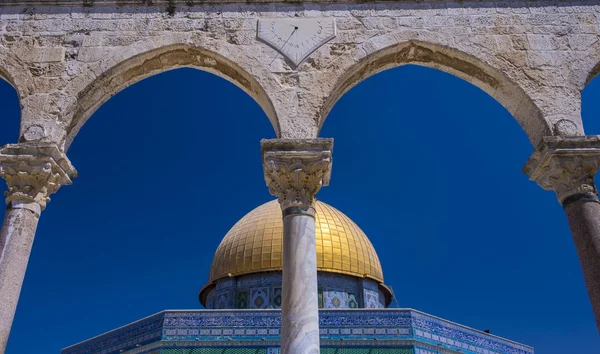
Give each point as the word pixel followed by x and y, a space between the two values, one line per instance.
pixel 259 327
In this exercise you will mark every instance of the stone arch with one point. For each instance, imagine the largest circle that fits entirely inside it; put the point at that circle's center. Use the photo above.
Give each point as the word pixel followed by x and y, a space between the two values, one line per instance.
pixel 383 56
pixel 11 115
pixel 592 74
pixel 6 77
pixel 155 61
pixel 13 71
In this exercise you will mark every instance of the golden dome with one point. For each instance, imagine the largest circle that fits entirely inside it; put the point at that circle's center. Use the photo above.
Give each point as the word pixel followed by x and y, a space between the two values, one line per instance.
pixel 254 244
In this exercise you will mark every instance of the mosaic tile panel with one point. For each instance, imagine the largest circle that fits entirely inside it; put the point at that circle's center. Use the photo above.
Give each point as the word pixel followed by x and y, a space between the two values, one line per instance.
pixel 215 351
pixel 264 292
pixel 335 299
pixel 352 302
pixel 371 299
pixel 259 298
pixel 424 351
pixel 222 301
pixel 276 298
pixel 320 297
pixel 241 299
pixel 375 329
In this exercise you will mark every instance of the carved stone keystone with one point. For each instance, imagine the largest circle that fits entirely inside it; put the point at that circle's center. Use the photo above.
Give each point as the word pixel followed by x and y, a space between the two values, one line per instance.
pixel 295 169
pixel 566 165
pixel 34 171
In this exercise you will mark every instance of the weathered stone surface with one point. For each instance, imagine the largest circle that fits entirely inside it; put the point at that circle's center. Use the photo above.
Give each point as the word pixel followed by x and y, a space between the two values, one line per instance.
pixel 33 172
pixel 296 169
pixel 534 57
pixel 16 240
pixel 299 311
pixel 67 57
pixel 566 165
pixel 584 220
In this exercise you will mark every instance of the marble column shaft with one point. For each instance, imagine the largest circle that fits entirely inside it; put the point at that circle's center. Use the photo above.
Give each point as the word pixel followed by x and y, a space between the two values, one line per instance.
pixel 300 302
pixel 32 173
pixel 567 165
pixel 16 241
pixel 584 221
pixel 295 170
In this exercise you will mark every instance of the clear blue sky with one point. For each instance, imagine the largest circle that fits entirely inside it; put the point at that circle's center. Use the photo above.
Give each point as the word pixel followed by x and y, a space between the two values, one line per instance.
pixel 428 166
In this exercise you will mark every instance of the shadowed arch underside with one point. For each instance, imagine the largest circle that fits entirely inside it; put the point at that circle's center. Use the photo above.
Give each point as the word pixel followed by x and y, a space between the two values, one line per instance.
pixel 454 62
pixel 592 75
pixel 150 63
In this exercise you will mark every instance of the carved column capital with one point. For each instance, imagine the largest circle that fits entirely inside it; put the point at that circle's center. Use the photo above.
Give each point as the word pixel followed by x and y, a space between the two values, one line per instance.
pixel 566 165
pixel 33 172
pixel 295 169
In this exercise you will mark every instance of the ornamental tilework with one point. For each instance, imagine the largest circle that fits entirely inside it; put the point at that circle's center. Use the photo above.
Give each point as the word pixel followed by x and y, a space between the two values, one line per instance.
pixel 371 299
pixel 320 296
pixel 335 299
pixel 259 298
pixel 241 299
pixel 424 351
pixel 352 302
pixel 370 284
pixel 260 329
pixel 222 301
pixel 264 291
pixel 226 283
pixel 276 298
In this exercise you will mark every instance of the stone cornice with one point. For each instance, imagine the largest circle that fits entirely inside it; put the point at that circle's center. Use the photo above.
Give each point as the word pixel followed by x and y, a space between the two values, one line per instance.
pixel 33 172
pixel 295 169
pixel 187 3
pixel 566 165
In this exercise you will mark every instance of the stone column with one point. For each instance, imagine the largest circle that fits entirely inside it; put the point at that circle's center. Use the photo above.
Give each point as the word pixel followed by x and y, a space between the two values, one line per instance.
pixel 295 170
pixel 567 165
pixel 33 173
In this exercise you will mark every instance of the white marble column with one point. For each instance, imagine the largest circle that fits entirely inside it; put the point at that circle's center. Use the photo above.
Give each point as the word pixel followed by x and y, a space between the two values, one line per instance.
pixel 295 170
pixel 33 173
pixel 568 166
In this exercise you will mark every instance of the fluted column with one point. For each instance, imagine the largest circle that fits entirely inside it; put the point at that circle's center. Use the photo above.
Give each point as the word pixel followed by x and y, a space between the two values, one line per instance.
pixel 295 170
pixel 568 166
pixel 33 173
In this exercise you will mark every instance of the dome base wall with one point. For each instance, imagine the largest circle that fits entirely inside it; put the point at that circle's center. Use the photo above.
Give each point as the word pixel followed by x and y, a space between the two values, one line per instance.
pixel 263 291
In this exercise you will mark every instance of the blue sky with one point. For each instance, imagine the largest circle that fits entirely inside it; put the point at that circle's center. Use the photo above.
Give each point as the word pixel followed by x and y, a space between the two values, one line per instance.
pixel 426 164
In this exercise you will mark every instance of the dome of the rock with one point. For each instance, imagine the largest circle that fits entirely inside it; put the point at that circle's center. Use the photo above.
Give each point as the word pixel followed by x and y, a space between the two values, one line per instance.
pixel 253 247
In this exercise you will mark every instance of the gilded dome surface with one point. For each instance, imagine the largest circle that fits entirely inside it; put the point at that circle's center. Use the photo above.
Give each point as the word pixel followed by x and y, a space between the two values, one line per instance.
pixel 254 244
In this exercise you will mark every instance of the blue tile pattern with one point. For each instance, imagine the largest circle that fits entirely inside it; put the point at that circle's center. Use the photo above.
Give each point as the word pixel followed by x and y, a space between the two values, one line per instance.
pixel 260 328
pixel 263 290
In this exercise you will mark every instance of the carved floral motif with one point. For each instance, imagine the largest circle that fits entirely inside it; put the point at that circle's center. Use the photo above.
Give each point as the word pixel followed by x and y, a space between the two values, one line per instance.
pixel 566 165
pixel 34 172
pixel 295 170
pixel 570 175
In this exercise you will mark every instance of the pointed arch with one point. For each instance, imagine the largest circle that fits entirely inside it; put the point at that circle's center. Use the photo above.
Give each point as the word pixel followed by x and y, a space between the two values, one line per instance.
pixel 593 73
pixel 452 61
pixel 11 70
pixel 155 61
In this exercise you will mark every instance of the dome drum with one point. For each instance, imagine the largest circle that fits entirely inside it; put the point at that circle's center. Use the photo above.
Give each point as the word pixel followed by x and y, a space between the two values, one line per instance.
pixel 263 291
